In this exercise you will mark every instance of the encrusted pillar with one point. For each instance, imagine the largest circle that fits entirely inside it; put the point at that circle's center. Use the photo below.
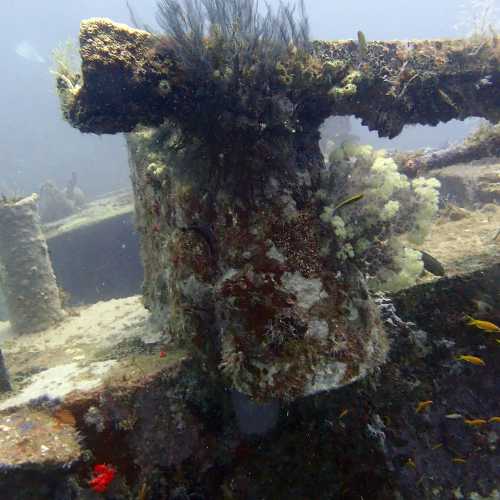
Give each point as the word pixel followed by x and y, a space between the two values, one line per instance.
pixel 28 281
pixel 256 253
pixel 241 272
pixel 4 376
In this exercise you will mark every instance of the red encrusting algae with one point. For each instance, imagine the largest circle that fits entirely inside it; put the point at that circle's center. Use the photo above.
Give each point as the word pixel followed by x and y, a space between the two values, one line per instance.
pixel 103 475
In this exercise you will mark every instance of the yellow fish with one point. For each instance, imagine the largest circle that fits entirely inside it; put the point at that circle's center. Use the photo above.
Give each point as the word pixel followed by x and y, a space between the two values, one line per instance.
pixel 487 326
pixel 423 405
pixel 348 201
pixel 473 360
pixel 494 420
pixel 454 416
pixel 497 341
pixel 459 461
pixel 143 491
pixel 343 414
pixel 411 463
pixel 475 422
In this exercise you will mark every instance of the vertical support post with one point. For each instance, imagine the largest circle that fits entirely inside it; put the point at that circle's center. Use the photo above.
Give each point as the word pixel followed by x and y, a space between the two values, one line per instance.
pixel 28 280
pixel 4 376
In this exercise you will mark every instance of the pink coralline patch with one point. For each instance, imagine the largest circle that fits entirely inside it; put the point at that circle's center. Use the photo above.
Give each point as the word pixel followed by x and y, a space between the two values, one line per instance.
pixel 103 476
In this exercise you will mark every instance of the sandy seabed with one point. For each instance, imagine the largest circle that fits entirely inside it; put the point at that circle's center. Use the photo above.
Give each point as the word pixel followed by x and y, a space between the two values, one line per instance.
pixel 75 354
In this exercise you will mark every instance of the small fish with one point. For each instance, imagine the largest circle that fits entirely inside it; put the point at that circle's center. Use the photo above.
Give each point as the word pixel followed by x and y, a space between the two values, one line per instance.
pixel 143 491
pixel 437 446
pixel 494 420
pixel 484 82
pixel 473 360
pixel 27 51
pixel 423 405
pixel 410 463
pixel 432 265
pixel 454 416
pixel 348 201
pixel 487 326
pixel 343 413
pixel 459 461
pixel 475 422
pixel 497 341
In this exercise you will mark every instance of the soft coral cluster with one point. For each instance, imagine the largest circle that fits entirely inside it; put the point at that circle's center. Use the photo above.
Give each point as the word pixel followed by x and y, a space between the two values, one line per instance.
pixel 369 232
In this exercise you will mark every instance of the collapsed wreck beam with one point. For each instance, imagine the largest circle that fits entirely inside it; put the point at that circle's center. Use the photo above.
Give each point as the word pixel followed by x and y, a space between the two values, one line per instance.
pixel 483 143
pixel 386 84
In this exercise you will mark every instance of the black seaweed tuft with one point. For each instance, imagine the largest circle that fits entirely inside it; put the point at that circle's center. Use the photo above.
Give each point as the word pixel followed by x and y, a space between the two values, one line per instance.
pixel 238 84
pixel 236 23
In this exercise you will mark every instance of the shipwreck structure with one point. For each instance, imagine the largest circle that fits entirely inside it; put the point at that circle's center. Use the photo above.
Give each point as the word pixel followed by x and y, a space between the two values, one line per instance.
pixel 227 172
pixel 252 270
pixel 26 273
pixel 482 144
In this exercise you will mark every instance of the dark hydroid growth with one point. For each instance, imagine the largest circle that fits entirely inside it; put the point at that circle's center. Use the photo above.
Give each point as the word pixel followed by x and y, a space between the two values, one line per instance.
pixel 236 23
pixel 240 78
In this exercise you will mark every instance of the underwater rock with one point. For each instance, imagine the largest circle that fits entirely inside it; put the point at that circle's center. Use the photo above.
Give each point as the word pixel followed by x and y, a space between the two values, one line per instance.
pixel 28 280
pixel 472 184
pixel 37 454
pixel 53 203
pixel 452 212
pixel 27 441
pixel 74 193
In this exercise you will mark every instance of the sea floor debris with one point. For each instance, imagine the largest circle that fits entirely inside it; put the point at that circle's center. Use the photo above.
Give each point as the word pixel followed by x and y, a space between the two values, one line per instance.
pixel 32 438
pixel 80 353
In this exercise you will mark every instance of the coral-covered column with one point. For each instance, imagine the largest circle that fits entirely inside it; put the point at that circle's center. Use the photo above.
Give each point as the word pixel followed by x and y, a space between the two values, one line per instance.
pixel 256 252
pixel 28 280
pixel 241 271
